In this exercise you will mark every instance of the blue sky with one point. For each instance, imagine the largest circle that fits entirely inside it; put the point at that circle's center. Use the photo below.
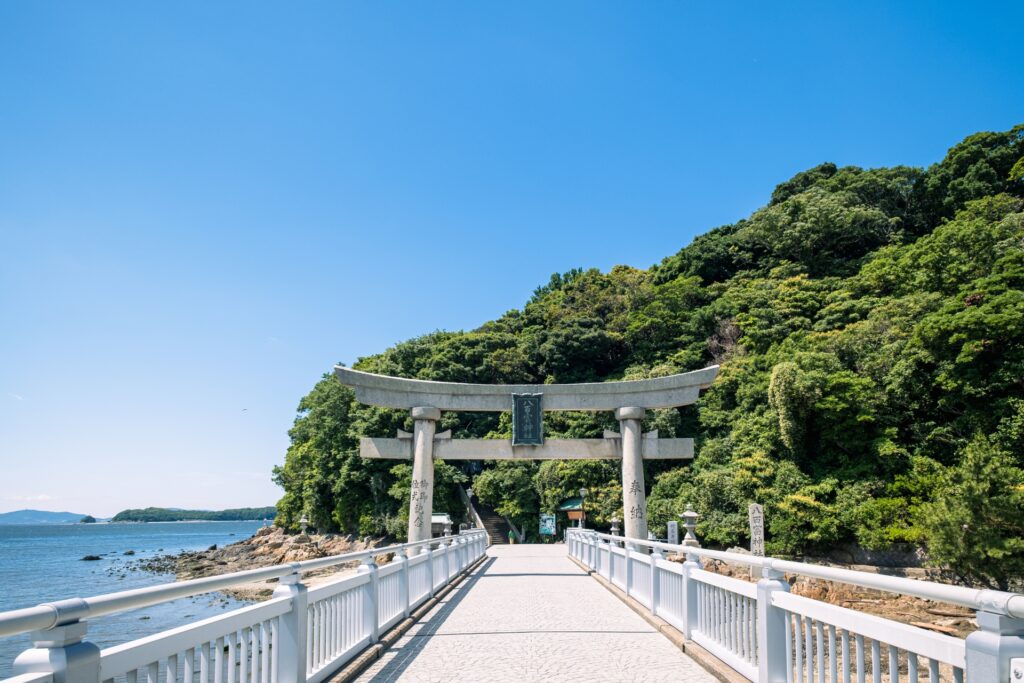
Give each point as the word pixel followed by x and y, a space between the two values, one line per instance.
pixel 203 206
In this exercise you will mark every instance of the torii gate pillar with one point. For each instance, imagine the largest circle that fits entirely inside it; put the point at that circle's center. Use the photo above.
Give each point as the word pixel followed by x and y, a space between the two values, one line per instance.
pixel 421 502
pixel 634 504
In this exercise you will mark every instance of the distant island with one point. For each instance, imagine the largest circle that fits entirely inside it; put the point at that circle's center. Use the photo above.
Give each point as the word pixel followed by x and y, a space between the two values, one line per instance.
pixel 176 515
pixel 40 517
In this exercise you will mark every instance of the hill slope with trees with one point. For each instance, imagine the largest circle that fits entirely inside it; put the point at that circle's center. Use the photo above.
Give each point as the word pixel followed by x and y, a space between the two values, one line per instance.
pixel 870 328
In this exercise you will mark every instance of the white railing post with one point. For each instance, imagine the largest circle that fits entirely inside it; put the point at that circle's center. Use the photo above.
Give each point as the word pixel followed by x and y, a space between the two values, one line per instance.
pixel 655 588
pixel 447 560
pixel 627 550
pixel 999 639
pixel 61 650
pixel 771 628
pixel 690 588
pixel 430 571
pixel 404 588
pixel 291 639
pixel 611 563
pixel 370 597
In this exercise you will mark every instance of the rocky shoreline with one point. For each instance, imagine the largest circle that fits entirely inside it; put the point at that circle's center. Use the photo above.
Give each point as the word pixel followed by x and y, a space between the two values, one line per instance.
pixel 267 547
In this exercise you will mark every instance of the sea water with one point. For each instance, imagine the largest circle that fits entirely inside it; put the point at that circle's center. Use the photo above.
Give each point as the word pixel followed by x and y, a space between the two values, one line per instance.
pixel 43 562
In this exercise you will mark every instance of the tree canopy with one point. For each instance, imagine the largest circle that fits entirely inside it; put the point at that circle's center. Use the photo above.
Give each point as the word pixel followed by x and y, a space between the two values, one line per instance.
pixel 870 328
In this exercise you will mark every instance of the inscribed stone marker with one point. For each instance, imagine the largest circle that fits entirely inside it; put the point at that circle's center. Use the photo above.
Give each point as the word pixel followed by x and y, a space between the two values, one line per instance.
pixel 755 513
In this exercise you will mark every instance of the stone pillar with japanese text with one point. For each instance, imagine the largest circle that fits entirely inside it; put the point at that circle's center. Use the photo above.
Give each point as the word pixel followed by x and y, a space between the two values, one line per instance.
pixel 634 502
pixel 421 502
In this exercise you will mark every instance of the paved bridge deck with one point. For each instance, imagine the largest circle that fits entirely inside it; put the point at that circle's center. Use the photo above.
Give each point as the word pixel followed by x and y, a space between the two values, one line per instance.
pixel 528 613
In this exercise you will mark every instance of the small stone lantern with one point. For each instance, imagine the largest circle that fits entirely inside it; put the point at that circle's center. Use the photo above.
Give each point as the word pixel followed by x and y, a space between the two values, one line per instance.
pixel 690 522
pixel 615 525
pixel 303 523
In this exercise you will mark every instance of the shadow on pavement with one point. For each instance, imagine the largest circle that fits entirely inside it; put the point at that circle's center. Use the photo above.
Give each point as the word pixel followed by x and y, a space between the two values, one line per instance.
pixel 406 653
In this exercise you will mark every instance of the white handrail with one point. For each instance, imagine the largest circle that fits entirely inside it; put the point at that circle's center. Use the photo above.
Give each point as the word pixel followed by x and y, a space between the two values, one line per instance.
pixel 49 615
pixel 999 602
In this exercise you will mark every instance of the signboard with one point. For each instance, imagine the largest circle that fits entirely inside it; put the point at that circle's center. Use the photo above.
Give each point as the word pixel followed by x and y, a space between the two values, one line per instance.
pixel 673 533
pixel 547 525
pixel 527 420
pixel 756 516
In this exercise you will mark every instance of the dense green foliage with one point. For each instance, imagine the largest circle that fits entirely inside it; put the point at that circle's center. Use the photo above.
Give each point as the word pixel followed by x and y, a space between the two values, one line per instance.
pixel 870 329
pixel 171 515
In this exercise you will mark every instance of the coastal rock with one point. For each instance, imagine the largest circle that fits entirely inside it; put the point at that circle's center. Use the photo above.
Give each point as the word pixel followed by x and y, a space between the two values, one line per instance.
pixel 268 546
pixel 91 558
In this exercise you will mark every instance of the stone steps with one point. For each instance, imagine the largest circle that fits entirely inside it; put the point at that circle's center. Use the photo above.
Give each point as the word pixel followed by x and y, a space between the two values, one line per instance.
pixel 494 524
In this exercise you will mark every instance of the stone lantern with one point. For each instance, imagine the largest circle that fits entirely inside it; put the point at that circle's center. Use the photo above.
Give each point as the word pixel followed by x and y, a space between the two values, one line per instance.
pixel 690 522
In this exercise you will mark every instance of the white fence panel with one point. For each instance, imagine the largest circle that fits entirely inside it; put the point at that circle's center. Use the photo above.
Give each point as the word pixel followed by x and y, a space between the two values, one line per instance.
pixel 640 578
pixel 419 579
pixel 866 647
pixel 727 620
pixel 231 648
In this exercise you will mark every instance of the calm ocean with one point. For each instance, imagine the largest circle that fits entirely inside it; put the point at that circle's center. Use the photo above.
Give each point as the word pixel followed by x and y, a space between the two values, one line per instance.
pixel 39 563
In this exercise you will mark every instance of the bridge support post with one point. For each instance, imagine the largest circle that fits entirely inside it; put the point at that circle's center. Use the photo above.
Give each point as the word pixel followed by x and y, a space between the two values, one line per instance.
pixel 771 628
pixel 690 599
pixel 634 504
pixel 421 502
pixel 372 594
pixel 291 640
pixel 989 649
pixel 61 650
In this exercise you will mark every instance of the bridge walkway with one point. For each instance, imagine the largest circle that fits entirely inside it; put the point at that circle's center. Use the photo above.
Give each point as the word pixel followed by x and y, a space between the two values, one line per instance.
pixel 528 613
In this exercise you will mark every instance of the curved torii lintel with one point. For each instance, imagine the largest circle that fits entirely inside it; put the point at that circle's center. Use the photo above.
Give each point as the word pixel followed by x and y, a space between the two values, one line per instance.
pixel 398 392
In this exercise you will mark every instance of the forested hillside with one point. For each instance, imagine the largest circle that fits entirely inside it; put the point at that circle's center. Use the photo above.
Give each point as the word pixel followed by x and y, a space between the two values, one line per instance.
pixel 870 329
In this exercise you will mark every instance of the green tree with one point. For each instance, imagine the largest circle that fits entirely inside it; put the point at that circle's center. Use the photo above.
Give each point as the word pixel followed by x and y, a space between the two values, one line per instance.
pixel 976 530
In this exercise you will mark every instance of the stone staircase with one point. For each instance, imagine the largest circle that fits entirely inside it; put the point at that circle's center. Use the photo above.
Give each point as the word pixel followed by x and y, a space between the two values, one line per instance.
pixel 495 525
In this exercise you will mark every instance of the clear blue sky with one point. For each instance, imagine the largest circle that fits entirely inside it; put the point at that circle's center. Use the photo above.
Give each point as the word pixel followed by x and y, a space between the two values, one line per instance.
pixel 203 206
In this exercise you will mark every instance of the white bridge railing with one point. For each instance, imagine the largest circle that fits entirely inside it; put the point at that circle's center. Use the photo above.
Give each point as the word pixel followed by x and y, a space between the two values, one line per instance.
pixel 769 635
pixel 298 636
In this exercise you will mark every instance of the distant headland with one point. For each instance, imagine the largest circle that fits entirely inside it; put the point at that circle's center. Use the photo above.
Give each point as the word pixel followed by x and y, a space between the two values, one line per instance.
pixel 40 517
pixel 140 515
pixel 176 515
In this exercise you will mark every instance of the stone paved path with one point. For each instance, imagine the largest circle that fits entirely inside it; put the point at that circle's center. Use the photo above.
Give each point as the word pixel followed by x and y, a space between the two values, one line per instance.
pixel 530 614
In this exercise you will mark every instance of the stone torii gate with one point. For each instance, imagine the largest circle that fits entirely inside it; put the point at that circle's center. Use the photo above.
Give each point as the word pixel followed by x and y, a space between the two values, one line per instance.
pixel 425 400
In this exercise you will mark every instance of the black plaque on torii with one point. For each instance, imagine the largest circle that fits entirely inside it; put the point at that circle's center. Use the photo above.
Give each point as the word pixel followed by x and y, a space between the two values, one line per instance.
pixel 527 420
